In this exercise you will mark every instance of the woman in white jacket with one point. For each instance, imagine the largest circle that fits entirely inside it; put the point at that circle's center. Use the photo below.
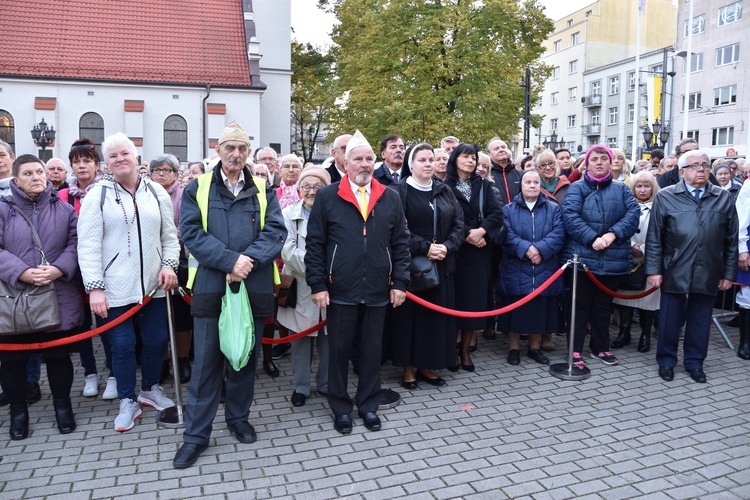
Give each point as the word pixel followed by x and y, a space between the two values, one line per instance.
pixel 127 246
pixel 305 314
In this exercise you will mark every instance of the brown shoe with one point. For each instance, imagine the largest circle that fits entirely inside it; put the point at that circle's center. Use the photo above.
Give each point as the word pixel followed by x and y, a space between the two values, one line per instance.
pixel 547 344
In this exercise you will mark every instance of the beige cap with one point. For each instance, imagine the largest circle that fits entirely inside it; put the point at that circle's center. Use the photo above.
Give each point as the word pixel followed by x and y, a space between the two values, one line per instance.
pixel 234 132
pixel 357 141
pixel 315 171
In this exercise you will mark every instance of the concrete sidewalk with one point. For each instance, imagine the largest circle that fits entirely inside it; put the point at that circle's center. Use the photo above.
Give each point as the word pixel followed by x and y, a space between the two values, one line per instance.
pixel 501 432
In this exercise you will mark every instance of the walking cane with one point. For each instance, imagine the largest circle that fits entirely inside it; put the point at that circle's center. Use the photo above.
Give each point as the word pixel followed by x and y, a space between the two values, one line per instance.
pixel 567 371
pixel 173 417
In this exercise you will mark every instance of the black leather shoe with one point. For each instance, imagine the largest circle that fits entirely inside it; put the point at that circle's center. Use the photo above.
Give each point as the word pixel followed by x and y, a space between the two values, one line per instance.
pixel 19 421
pixel 437 381
pixel 186 371
pixel 278 351
pixel 371 420
pixel 698 375
pixel 271 369
pixel 410 385
pixel 514 357
pixel 538 356
pixel 298 399
pixel 187 455
pixel 66 422
pixel 468 368
pixel 666 374
pixel 33 393
pixel 243 431
pixel 343 424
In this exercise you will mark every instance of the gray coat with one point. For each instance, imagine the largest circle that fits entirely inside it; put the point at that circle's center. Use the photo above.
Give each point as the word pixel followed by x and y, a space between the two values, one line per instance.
pixel 692 246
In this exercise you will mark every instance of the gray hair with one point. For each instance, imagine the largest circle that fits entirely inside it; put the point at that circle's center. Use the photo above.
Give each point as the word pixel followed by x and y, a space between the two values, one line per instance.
pixel 496 138
pixel 7 148
pixel 685 158
pixel 164 159
pixel 267 149
pixel 449 138
pixel 118 139
pixel 49 162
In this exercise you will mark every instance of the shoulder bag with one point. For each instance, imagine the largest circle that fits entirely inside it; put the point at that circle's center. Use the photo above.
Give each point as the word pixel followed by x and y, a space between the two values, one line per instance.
pixel 423 271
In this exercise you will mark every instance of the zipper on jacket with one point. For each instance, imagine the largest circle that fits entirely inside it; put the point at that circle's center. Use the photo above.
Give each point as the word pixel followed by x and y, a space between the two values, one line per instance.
pixel 533 240
pixel 390 265
pixel 364 260
pixel 330 269
pixel 111 262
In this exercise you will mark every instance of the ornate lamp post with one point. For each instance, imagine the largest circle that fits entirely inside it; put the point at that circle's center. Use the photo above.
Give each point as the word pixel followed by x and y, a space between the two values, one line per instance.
pixel 551 142
pixel 43 136
pixel 656 136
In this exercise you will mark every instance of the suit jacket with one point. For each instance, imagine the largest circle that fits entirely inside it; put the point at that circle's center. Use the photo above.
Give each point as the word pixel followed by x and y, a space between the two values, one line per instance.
pixel 383 175
pixel 333 172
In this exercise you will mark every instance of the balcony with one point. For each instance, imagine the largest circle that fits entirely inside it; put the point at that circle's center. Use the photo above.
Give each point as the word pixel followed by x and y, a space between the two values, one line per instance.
pixel 591 101
pixel 592 129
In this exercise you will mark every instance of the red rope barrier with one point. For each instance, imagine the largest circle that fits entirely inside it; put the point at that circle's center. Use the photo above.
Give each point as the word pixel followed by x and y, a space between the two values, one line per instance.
pixel 617 295
pixel 495 312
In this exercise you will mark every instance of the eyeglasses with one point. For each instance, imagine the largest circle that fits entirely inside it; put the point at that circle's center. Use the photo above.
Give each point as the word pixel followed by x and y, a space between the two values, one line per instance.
pixel 310 189
pixel 543 166
pixel 157 171
pixel 696 166
pixel 262 174
pixel 266 160
pixel 293 167
pixel 82 146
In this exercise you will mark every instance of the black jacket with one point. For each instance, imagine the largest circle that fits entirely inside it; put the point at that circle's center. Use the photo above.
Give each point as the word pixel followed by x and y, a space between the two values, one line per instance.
pixel 383 175
pixel 692 246
pixel 489 216
pixel 357 261
pixel 507 181
pixel 333 172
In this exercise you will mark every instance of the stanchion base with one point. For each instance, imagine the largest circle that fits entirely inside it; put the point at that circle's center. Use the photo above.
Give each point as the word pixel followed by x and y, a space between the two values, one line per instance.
pixel 565 372
pixel 388 399
pixel 169 418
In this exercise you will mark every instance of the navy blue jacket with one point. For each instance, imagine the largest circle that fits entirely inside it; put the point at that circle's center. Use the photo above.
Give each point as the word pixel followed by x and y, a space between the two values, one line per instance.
pixel 542 227
pixel 592 209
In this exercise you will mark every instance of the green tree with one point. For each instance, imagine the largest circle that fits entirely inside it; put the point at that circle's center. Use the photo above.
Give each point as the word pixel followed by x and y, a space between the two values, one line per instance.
pixel 428 68
pixel 313 95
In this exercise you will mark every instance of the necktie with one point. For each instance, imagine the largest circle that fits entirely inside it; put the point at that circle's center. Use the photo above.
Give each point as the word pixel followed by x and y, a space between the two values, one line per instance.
pixel 362 202
pixel 697 194
pixel 395 177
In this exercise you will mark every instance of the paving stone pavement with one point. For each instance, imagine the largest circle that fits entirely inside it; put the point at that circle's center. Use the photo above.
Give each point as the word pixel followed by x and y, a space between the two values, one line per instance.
pixel 501 432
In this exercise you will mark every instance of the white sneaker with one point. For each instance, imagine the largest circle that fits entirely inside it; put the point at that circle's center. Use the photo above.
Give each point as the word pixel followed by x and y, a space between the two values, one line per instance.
pixel 110 392
pixel 130 411
pixel 155 398
pixel 91 385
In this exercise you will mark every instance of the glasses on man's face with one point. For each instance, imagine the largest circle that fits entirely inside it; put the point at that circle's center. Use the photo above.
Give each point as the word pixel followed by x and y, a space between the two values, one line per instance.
pixel 310 189
pixel 262 174
pixel 544 166
pixel 158 171
pixel 288 166
pixel 696 166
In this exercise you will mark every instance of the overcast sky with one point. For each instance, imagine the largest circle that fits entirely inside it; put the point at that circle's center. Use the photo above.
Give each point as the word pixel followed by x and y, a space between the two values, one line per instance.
pixel 310 24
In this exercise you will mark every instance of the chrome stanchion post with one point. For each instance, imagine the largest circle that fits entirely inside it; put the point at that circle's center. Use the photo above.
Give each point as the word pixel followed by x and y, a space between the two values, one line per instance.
pixel 566 371
pixel 173 417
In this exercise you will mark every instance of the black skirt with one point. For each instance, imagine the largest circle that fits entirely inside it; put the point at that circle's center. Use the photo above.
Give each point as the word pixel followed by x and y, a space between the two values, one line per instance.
pixel 33 338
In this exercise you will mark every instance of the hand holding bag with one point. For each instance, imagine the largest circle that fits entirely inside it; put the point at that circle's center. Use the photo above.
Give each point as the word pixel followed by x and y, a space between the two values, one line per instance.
pixel 424 272
pixel 236 326
pixel 285 292
pixel 33 309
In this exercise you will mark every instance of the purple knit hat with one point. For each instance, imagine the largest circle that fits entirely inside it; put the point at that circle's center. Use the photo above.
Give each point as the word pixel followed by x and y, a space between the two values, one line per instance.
pixel 592 148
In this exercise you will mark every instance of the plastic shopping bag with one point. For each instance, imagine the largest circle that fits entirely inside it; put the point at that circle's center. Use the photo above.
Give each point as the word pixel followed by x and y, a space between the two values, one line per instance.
pixel 236 326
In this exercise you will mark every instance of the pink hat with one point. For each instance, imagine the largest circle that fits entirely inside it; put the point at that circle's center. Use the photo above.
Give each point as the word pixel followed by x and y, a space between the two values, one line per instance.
pixel 592 148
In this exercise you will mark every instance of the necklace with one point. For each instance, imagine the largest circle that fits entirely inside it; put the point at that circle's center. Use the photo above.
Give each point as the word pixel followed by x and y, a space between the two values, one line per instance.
pixel 124 213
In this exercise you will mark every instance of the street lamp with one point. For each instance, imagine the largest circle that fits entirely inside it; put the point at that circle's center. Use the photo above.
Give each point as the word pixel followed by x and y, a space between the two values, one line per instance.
pixel 43 136
pixel 526 84
pixel 551 142
pixel 657 135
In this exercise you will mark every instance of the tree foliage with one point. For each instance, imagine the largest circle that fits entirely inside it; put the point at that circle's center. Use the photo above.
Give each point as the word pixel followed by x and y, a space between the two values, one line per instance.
pixel 313 95
pixel 428 68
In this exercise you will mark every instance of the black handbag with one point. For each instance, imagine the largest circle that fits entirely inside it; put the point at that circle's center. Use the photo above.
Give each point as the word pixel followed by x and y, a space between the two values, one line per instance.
pixel 285 292
pixel 33 309
pixel 635 280
pixel 424 272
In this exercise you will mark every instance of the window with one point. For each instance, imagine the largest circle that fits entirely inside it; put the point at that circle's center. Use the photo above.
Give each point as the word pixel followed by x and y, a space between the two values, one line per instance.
pixel 596 88
pixel 572 93
pixel 571 121
pixel 555 98
pixel 693 103
pixel 557 45
pixel 725 95
pixel 91 126
pixel 730 14
pixel 629 142
pixel 573 66
pixel 614 85
pixel 631 80
pixel 570 23
pixel 699 25
pixel 631 113
pixel 696 63
pixel 693 134
pixel 612 142
pixel 613 116
pixel 723 136
pixel 727 55
pixel 556 72
pixel 657 69
pixel 7 129
pixel 553 124
pixel 175 136
pixel 575 38
pixel 595 118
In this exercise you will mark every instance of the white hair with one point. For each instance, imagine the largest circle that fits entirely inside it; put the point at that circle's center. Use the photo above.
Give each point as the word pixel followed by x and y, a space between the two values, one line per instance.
pixel 118 139
pixel 684 159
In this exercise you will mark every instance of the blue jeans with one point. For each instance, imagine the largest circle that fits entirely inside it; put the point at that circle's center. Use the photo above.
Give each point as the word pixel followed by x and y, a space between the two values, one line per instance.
pixel 152 319
pixel 34 368
pixel 88 361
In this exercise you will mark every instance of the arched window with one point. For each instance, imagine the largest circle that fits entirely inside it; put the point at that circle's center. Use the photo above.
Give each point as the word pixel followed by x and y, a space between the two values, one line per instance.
pixel 91 126
pixel 175 137
pixel 7 129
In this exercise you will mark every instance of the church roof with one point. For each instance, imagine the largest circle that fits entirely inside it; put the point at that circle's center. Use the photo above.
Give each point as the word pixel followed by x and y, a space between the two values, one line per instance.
pixel 189 42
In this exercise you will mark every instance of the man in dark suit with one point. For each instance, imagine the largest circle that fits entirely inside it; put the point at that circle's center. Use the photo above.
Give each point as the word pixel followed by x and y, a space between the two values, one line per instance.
pixel 392 151
pixel 337 168
pixel 268 157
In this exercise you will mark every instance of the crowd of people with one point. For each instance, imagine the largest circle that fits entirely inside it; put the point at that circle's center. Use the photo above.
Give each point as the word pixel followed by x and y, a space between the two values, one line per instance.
pixel 491 231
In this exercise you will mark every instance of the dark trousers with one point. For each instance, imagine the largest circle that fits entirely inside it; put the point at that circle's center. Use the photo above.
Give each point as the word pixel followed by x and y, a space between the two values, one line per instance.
pixel 204 391
pixel 347 325
pixel 594 308
pixel 697 328
pixel 59 374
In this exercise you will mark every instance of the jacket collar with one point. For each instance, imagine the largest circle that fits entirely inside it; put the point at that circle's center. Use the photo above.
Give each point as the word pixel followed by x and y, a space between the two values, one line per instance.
pixel 24 201
pixel 376 191
pixel 249 189
pixel 510 166
pixel 597 185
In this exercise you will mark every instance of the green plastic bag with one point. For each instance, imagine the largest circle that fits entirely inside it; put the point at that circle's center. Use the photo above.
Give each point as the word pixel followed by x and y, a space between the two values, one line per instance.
pixel 236 327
